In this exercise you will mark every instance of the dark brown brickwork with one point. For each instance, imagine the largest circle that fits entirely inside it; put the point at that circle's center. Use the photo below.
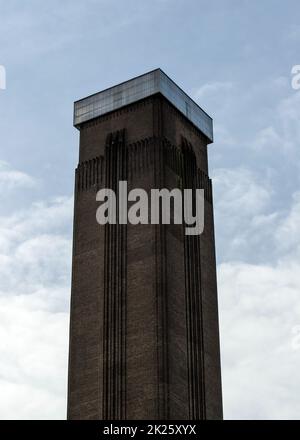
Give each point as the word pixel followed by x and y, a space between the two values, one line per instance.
pixel 144 337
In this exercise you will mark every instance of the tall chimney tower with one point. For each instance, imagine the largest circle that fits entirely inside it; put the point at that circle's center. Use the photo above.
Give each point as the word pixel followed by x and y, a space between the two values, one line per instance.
pixel 144 335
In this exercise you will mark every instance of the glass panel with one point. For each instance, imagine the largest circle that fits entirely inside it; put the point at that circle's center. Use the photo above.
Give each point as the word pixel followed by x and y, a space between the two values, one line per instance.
pixel 139 88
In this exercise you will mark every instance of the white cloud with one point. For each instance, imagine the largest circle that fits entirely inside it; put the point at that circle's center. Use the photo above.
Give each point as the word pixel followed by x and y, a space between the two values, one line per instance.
pixel 240 191
pixel 287 234
pixel 289 111
pixel 12 179
pixel 33 351
pixel 268 138
pixel 35 258
pixel 259 300
pixel 282 134
pixel 243 213
pixel 36 248
pixel 259 308
pixel 213 88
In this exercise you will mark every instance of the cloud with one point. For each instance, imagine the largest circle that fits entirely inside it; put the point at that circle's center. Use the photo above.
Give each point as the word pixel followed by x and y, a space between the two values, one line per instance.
pixel 268 138
pixel 289 111
pixel 258 297
pixel 259 310
pixel 244 214
pixel 287 234
pixel 35 259
pixel 12 179
pixel 33 351
pixel 35 250
pixel 213 88
pixel 283 133
pixel 240 191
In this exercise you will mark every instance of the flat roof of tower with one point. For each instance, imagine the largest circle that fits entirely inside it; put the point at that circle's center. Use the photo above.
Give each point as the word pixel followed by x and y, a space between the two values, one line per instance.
pixel 139 88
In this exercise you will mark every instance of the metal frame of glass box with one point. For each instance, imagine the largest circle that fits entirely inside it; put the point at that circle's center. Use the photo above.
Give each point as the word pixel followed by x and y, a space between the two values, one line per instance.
pixel 139 88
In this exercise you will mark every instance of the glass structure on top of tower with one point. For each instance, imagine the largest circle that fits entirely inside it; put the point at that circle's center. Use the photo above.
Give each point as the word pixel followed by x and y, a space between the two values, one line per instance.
pixel 139 88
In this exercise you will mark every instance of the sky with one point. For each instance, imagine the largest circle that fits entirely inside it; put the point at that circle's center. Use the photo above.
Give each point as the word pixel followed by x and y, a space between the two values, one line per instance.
pixel 234 57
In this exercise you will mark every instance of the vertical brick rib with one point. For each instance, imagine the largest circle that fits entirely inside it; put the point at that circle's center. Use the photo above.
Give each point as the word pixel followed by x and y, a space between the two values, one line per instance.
pixel 114 342
pixel 161 292
pixel 193 297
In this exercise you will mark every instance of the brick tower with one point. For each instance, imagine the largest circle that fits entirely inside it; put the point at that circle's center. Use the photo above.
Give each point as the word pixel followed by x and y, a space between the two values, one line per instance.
pixel 144 336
